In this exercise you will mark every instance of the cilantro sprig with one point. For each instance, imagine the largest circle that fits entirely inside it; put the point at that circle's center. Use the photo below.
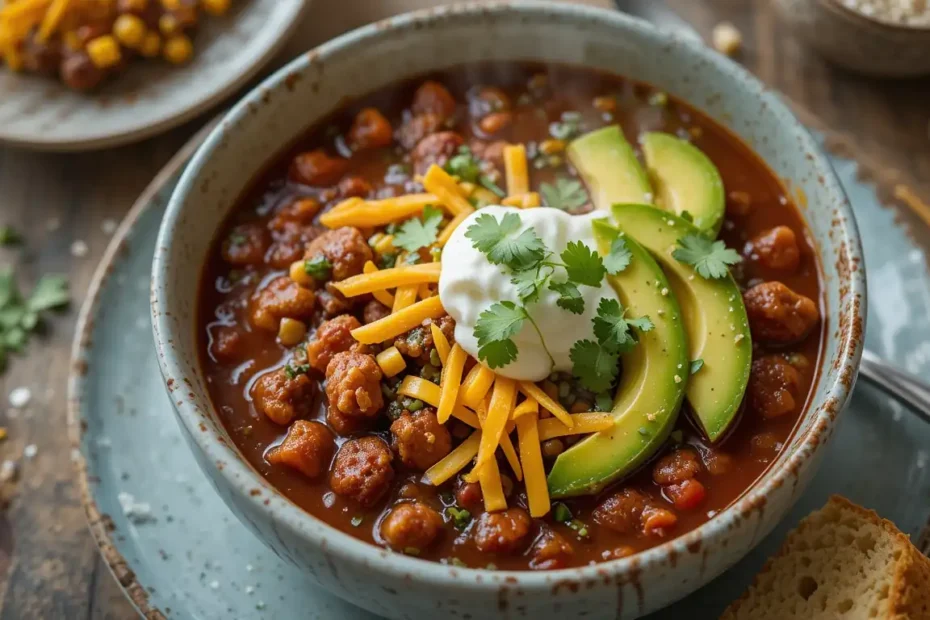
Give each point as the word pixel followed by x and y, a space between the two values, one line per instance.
pixel 709 258
pixel 565 194
pixel 595 364
pixel 20 316
pixel 417 233
pixel 504 243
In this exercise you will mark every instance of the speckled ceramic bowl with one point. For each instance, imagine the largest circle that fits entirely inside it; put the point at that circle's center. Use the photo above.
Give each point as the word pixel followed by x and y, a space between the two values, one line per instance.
pixel 293 99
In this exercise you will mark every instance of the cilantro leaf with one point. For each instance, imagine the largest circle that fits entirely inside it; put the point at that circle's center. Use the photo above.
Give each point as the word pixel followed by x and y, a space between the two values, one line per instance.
pixel 709 258
pixel 569 296
pixel 464 165
pixel 583 264
pixel 618 258
pixel 566 194
pixel 594 365
pixel 51 291
pixel 696 365
pixel 503 244
pixel 416 233
pixel 494 331
pixel 318 267
pixel 530 282
pixel 613 330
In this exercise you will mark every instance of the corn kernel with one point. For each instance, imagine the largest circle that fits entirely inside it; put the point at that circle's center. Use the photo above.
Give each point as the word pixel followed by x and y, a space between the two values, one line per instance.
pixel 104 51
pixel 551 147
pixel 215 7
pixel 385 244
pixel 391 361
pixel 299 275
pixel 168 24
pixel 727 39
pixel 291 332
pixel 151 45
pixel 129 30
pixel 178 50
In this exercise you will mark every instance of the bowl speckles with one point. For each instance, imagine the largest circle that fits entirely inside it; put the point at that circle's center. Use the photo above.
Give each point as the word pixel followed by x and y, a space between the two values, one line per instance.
pixel 291 100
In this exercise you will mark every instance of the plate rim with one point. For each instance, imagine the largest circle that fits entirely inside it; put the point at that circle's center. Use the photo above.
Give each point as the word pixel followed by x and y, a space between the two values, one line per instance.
pixel 99 523
pixel 111 140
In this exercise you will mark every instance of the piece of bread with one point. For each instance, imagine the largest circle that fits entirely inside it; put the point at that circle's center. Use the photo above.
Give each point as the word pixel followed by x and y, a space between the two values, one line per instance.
pixel 842 561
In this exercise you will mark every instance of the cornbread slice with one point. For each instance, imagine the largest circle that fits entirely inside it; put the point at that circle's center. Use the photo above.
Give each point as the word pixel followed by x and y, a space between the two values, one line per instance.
pixel 842 561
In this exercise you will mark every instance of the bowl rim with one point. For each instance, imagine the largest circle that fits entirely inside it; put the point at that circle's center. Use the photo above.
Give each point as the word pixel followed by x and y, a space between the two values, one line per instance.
pixel 869 21
pixel 303 525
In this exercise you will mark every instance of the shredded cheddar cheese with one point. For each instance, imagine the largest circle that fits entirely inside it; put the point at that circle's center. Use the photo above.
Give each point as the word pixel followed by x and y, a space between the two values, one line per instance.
pixel 446 232
pixel 440 184
pixel 379 280
pixel 440 342
pixel 52 19
pixel 451 382
pixel 502 399
pixel 383 296
pixel 510 453
pixel 399 322
pixel 582 423
pixel 489 477
pixel 430 393
pixel 453 462
pixel 531 390
pixel 530 405
pixel 518 179
pixel 404 298
pixel 537 491
pixel 371 213
pixel 476 385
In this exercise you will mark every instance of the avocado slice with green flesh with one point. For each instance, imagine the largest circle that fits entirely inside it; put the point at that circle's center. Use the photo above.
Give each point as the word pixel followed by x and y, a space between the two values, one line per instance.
pixel 608 165
pixel 652 385
pixel 714 317
pixel 685 179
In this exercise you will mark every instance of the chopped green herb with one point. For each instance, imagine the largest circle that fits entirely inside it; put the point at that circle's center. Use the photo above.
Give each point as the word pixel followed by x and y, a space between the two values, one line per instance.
pixel 319 268
pixel 460 517
pixel 357 520
pixel 561 513
pixel 566 194
pixel 618 258
pixel 503 243
pixel 709 258
pixel 418 233
pixel 9 236
pixel 415 405
pixel 19 317
pixel 464 165
pixel 568 127
pixel 388 260
pixel 291 372
pixel 595 366
pixel 696 365
pixel 434 358
pixel 613 330
pixel 579 528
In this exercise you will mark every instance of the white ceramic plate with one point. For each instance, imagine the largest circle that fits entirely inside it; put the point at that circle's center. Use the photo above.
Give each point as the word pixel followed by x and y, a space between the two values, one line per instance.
pixel 41 113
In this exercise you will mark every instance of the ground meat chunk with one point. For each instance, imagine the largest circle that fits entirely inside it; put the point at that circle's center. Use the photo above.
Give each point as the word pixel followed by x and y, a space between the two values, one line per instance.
pixel 345 248
pixel 374 311
pixel 779 315
pixel 332 337
pixel 622 511
pixel 551 551
pixel 502 532
pixel 332 301
pixel 282 297
pixel 436 149
pixel 490 152
pixel 354 187
pixel 417 343
pixel 433 98
pixel 79 72
pixel 353 384
pixel 226 344
pixel 411 527
pixel 468 495
pixel 485 100
pixel 41 56
pixel 284 398
pixel 295 215
pixel 246 245
pixel 686 495
pixel 308 447
pixel 418 127
pixel 317 168
pixel 716 462
pixel 369 130
pixel 362 470
pixel 773 386
pixel 682 464
pixel 775 249
pixel 420 441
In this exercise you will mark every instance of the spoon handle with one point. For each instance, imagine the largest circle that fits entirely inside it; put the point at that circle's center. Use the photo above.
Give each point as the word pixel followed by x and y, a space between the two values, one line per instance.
pixel 895 382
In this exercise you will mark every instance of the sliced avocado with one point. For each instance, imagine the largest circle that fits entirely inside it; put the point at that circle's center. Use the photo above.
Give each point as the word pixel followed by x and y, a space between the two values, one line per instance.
pixel 714 317
pixel 608 165
pixel 652 385
pixel 685 179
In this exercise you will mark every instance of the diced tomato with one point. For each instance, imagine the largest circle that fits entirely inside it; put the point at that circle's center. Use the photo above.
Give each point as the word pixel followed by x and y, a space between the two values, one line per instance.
pixel 657 521
pixel 686 495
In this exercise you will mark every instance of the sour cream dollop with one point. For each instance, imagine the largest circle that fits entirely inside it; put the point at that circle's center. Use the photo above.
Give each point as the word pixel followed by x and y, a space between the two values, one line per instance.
pixel 469 284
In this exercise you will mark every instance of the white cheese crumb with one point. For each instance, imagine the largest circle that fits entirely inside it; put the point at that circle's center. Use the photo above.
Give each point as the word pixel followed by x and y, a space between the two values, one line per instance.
pixel 737 338
pixel 677 379
pixel 79 249
pixel 727 39
pixel 664 292
pixel 20 397
pixel 30 451
pixel 136 512
pixel 108 226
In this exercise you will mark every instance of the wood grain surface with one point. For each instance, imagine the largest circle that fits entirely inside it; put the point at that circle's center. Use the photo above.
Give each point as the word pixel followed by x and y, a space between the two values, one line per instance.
pixel 49 566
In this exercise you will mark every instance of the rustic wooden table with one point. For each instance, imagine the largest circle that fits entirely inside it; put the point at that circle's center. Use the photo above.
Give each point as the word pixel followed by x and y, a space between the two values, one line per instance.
pixel 49 565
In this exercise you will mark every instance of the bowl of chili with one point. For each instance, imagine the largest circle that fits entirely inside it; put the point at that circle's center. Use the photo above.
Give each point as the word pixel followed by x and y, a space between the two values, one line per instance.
pixel 299 312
